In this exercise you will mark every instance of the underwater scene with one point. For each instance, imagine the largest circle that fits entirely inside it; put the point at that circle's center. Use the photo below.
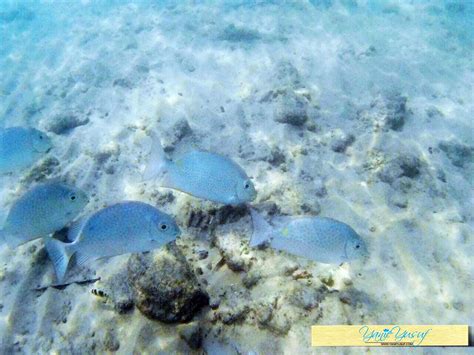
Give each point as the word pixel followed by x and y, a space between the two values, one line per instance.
pixel 216 177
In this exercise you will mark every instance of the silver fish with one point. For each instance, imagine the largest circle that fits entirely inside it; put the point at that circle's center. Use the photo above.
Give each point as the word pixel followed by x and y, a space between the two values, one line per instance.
pixel 202 174
pixel 316 238
pixel 126 227
pixel 41 211
pixel 20 147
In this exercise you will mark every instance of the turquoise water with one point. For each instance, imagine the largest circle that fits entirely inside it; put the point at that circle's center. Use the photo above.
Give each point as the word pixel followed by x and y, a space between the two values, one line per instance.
pixel 356 110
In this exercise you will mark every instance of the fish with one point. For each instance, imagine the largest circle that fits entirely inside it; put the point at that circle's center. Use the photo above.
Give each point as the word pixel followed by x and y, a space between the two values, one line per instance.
pixel 122 228
pixel 42 210
pixel 320 239
pixel 20 147
pixel 205 175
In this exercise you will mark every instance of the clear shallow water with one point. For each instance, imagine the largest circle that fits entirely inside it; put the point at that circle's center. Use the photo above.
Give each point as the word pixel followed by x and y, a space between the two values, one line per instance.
pixel 396 75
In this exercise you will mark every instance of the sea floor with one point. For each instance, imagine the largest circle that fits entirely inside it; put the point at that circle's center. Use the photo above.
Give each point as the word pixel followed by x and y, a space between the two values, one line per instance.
pixel 357 110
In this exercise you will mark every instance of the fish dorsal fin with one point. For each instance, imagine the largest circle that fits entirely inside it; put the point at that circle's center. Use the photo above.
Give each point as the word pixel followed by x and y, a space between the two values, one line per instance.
pixel 74 232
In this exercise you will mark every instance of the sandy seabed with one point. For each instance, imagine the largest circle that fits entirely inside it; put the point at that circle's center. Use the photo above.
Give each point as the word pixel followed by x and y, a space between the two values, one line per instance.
pixel 357 110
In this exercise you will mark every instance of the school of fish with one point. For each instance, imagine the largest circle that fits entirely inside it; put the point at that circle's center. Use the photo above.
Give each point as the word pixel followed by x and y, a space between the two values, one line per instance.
pixel 133 226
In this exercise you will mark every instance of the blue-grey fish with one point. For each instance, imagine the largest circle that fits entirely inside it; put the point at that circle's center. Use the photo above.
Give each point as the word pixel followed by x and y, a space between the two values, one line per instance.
pixel 201 174
pixel 126 227
pixel 20 147
pixel 42 210
pixel 316 238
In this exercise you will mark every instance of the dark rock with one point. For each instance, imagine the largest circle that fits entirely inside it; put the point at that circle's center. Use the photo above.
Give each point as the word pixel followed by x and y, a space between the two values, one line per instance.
pixel 119 291
pixel 123 82
pixel 312 207
pixel 216 216
pixel 214 303
pixel 192 334
pixel 459 154
pixel 175 133
pixel 251 279
pixel 307 298
pixel 276 157
pixel 341 142
pixel 391 110
pixel 402 166
pixel 233 33
pixel 235 313
pixel 291 109
pixel 203 254
pixel 396 111
pixel 166 289
pixel 64 123
pixel 41 171
pixel 111 342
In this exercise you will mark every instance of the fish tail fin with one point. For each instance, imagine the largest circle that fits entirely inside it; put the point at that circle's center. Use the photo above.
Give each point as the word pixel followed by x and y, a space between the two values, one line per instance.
pixel 262 230
pixel 157 161
pixel 60 253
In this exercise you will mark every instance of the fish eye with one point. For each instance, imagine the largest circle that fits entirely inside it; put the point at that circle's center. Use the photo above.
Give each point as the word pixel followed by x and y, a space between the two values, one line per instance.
pixel 72 197
pixel 163 226
pixel 357 246
pixel 247 185
pixel 40 136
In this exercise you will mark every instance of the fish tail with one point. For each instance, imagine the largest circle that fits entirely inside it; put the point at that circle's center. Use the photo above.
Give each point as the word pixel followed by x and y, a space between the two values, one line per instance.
pixel 157 161
pixel 60 253
pixel 262 230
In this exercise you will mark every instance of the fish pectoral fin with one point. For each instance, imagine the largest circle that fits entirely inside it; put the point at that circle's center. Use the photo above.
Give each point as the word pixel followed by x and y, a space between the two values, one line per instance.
pixel 75 229
pixel 262 230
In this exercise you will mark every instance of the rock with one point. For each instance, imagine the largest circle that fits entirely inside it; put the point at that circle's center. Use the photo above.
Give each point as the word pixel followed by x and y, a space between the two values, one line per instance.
pixel 276 157
pixel 233 33
pixel 396 111
pixel 233 313
pixel 215 216
pixel 390 111
pixel 291 109
pixel 175 133
pixel 264 313
pixel 42 170
pixel 203 254
pixel 111 342
pixel 65 122
pixel 341 141
pixel 191 333
pixel 307 298
pixel 401 166
pixel 166 289
pixel 119 291
pixel 311 207
pixel 251 279
pixel 287 74
pixel 398 201
pixel 459 154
